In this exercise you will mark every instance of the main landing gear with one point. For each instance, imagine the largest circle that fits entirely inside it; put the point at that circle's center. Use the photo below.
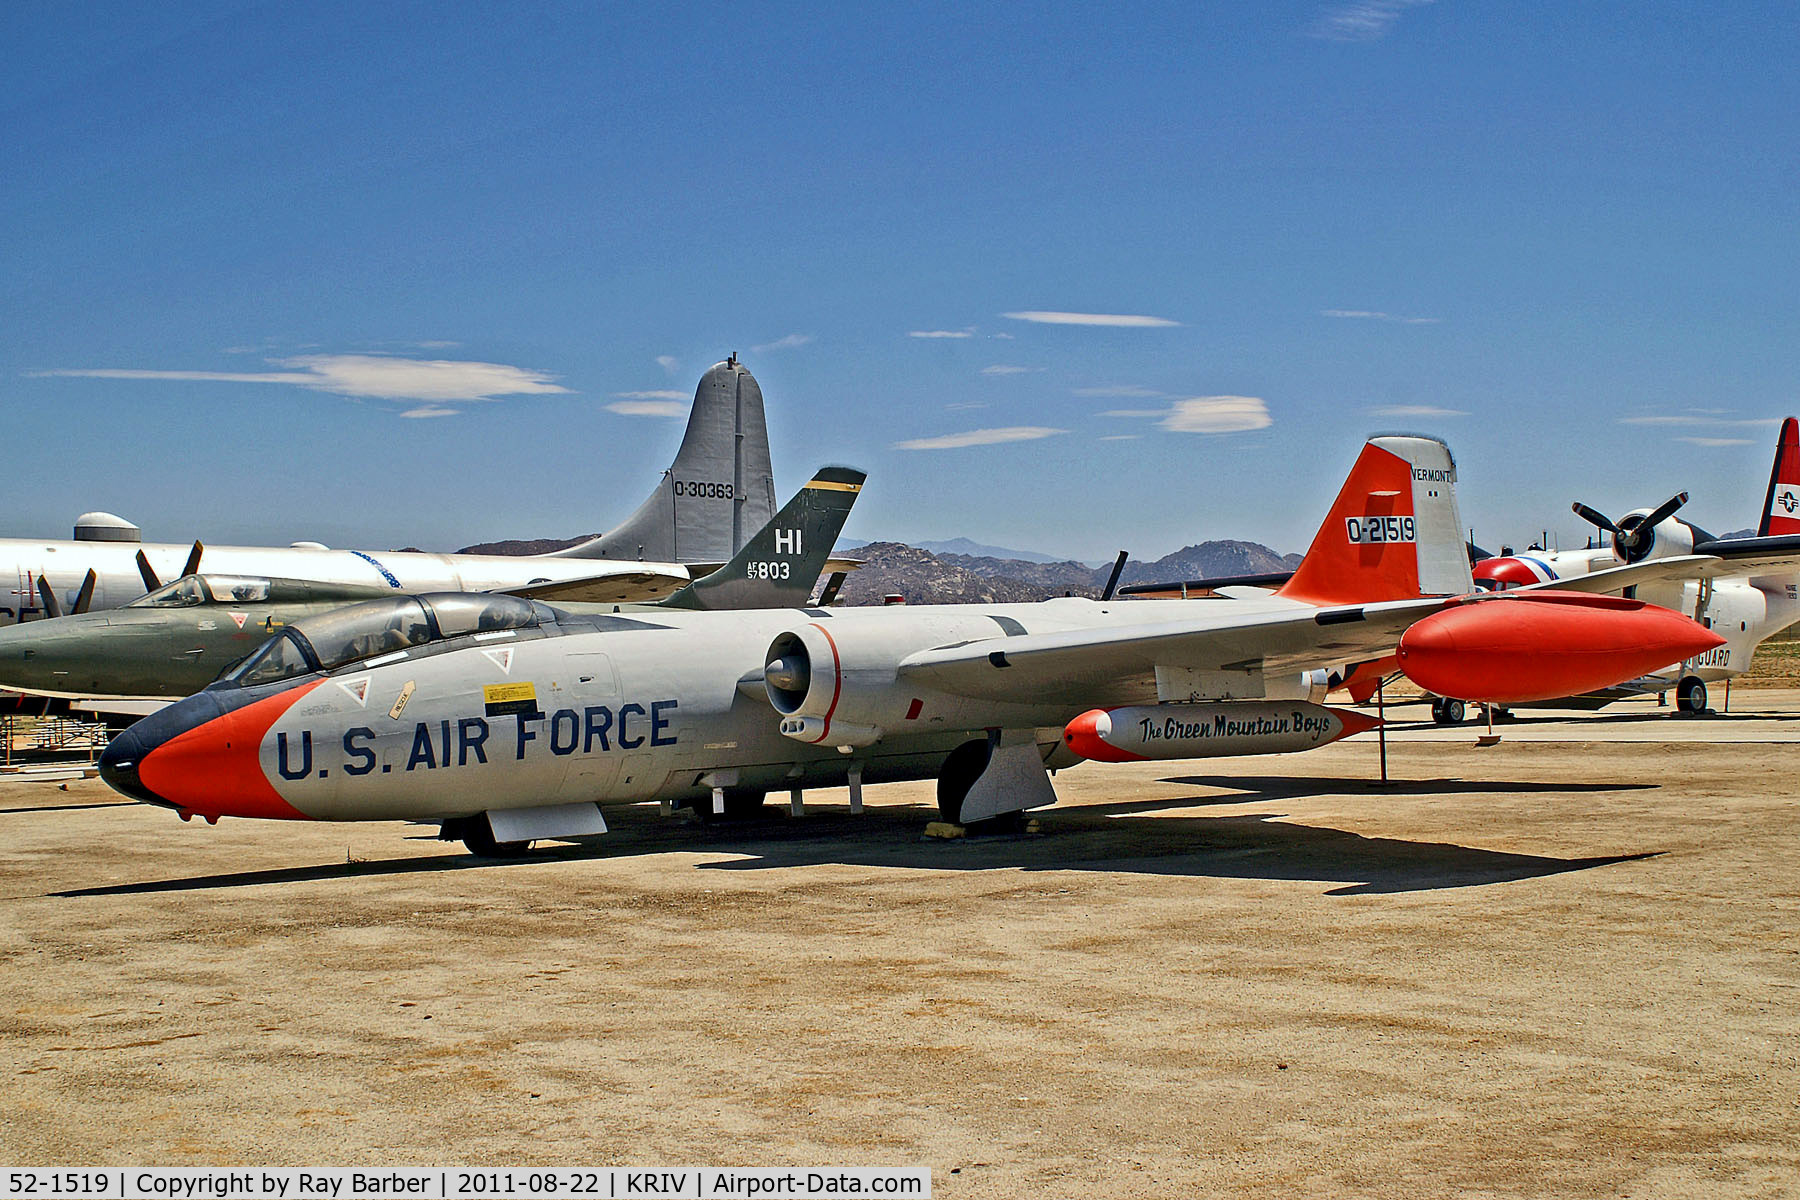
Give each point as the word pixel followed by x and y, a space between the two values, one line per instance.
pixel 1445 711
pixel 475 833
pixel 1690 696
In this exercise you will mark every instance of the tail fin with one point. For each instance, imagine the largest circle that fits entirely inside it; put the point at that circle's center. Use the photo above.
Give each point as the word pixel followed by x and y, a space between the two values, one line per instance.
pixel 1781 510
pixel 782 562
pixel 719 491
pixel 1394 532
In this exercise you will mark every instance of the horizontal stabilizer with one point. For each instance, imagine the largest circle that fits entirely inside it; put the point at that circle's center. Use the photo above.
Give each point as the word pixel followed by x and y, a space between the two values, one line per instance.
pixel 618 587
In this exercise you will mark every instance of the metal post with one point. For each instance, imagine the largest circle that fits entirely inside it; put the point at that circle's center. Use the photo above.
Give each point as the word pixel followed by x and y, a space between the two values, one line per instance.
pixel 856 788
pixel 1381 729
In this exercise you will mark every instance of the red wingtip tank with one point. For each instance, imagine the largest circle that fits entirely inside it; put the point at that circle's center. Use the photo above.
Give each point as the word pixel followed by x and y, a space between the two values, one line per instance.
pixel 1545 645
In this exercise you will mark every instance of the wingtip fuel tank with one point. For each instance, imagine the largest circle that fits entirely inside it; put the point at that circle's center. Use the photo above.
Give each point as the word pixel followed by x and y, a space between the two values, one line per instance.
pixel 1514 650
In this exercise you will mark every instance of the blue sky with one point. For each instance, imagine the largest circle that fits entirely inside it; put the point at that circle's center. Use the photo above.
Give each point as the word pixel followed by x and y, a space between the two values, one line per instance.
pixel 426 274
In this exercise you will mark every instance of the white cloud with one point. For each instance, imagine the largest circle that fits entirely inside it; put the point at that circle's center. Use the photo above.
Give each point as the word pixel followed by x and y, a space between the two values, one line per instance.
pixel 1416 410
pixel 1686 420
pixel 941 333
pixel 1709 441
pixel 980 437
pixel 653 394
pixel 1203 414
pixel 371 376
pixel 431 410
pixel 1360 20
pixel 649 408
pixel 790 342
pixel 1358 314
pixel 1114 320
pixel 999 369
pixel 1217 414
pixel 968 404
pixel 669 363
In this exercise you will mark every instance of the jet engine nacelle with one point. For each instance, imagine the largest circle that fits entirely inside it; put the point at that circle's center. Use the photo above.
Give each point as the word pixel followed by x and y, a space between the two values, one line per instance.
pixel 834 690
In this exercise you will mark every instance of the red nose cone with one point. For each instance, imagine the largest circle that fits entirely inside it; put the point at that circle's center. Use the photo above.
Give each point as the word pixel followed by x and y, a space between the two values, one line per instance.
pixel 1083 736
pixel 1544 646
pixel 215 769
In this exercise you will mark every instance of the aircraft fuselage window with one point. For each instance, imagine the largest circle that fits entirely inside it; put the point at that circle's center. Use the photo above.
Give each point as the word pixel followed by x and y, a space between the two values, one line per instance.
pixel 235 589
pixel 459 614
pixel 280 658
pixel 180 594
pixel 366 630
pixel 370 630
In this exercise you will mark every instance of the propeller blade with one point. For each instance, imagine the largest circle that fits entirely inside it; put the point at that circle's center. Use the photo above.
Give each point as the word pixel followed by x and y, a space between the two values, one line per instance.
pixel 52 605
pixel 1593 517
pixel 1664 511
pixel 151 582
pixel 193 559
pixel 85 596
pixel 1112 581
pixel 832 585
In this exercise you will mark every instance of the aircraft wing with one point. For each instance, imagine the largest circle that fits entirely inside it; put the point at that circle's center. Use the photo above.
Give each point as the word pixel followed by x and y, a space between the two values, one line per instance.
pixel 617 587
pixel 1655 570
pixel 1779 555
pixel 1118 665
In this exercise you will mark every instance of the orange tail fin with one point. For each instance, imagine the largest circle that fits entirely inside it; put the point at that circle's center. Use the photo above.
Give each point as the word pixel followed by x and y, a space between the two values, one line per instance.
pixel 1394 532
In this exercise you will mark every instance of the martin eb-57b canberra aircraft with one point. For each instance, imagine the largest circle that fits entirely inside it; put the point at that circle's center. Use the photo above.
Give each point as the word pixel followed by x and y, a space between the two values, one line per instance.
pixel 718 492
pixel 504 721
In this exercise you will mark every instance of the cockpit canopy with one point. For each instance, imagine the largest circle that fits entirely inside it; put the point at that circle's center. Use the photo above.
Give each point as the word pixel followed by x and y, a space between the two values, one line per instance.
pixel 386 628
pixel 192 590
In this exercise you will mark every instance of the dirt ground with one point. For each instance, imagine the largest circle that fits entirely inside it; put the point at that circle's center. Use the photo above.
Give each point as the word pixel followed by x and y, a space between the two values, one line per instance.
pixel 1566 965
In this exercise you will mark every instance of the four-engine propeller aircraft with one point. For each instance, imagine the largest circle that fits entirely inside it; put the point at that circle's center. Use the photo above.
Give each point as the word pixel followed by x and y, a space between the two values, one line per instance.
pixel 181 637
pixel 504 720
pixel 717 493
pixel 1745 589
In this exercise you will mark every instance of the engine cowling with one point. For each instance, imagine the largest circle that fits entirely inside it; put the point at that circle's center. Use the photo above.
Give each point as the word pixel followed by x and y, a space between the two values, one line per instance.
pixel 829 691
pixel 1666 539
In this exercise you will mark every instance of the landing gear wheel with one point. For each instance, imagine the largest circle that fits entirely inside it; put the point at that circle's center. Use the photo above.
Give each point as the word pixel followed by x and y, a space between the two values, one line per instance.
pixel 1690 696
pixel 1445 711
pixel 958 774
pixel 474 833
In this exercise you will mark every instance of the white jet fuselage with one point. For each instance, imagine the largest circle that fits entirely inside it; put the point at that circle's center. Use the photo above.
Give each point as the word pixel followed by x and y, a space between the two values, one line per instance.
pixel 118 581
pixel 664 710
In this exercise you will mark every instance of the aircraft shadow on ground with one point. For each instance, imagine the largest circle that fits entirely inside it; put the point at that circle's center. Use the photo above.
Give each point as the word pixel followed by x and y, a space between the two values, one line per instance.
pixel 44 808
pixel 1119 838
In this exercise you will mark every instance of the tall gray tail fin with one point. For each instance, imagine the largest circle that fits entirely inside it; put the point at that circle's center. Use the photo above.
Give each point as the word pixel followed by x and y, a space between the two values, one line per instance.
pixel 782 562
pixel 719 491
